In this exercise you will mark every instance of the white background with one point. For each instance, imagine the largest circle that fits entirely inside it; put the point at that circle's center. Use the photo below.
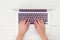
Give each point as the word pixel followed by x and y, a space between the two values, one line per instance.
pixel 8 18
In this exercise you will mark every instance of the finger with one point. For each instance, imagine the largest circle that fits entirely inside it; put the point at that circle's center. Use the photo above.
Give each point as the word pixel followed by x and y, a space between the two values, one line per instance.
pixel 20 21
pixel 38 21
pixel 42 22
pixel 23 21
pixel 36 24
pixel 27 23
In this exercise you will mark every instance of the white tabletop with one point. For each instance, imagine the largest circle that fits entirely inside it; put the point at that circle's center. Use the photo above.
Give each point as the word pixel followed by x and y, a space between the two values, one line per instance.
pixel 8 19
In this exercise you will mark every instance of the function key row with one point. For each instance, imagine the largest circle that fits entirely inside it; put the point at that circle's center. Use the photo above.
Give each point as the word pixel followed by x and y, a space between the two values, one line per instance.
pixel 32 10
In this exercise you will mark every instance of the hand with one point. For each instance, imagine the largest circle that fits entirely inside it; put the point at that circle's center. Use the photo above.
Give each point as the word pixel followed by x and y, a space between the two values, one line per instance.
pixel 40 27
pixel 22 28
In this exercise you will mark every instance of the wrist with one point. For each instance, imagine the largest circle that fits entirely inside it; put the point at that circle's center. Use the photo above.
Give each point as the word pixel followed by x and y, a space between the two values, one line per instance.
pixel 44 36
pixel 19 37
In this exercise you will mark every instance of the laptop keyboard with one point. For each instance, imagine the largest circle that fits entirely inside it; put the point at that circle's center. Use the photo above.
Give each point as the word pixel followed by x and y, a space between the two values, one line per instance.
pixel 32 16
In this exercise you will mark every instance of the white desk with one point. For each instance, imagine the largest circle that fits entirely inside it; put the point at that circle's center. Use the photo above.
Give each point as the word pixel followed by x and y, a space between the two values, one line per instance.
pixel 8 24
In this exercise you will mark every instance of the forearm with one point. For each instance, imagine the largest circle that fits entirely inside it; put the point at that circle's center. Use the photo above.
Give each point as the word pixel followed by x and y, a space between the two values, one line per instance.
pixel 19 37
pixel 44 37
